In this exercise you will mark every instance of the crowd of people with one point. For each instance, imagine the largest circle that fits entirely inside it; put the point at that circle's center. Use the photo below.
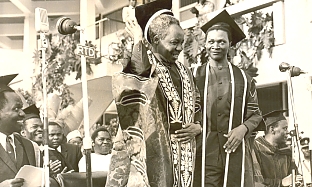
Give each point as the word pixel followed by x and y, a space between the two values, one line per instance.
pixel 198 126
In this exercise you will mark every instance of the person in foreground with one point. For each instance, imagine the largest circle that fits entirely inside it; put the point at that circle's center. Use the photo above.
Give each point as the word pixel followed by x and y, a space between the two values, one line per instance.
pixel 15 151
pixel 272 153
pixel 102 146
pixel 172 121
pixel 230 109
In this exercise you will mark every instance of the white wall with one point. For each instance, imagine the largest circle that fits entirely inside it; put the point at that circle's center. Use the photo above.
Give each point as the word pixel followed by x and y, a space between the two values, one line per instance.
pixel 17 62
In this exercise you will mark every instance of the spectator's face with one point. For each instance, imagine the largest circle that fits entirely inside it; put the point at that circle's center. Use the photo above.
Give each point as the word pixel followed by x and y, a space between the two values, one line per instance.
pixel 171 46
pixel 217 44
pixel 11 115
pixel 33 129
pixel 55 136
pixel 306 152
pixel 281 132
pixel 76 141
pixel 132 2
pixel 103 143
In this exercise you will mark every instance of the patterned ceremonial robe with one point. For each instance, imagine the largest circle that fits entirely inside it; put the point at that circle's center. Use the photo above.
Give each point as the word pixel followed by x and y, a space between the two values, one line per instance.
pixel 158 110
pixel 275 163
pixel 219 100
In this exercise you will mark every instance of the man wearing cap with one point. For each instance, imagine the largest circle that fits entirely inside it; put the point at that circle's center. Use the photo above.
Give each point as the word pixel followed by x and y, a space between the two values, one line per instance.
pixel 32 129
pixel 170 138
pixel 272 153
pixel 74 137
pixel 306 165
pixel 15 151
pixel 230 108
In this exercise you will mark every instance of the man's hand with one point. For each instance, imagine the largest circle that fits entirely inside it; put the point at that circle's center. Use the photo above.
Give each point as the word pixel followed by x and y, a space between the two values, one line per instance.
pixel 56 166
pixel 134 29
pixel 235 137
pixel 188 133
pixel 12 182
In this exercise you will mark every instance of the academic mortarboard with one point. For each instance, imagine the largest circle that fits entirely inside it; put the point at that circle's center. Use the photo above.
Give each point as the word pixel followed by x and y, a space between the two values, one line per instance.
pixel 223 16
pixel 270 118
pixel 5 81
pixel 304 142
pixel 31 112
pixel 146 13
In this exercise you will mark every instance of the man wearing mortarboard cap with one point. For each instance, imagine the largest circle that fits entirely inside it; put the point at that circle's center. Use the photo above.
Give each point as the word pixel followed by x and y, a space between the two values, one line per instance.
pixel 173 120
pixel 272 153
pixel 306 164
pixel 230 106
pixel 32 128
pixel 15 151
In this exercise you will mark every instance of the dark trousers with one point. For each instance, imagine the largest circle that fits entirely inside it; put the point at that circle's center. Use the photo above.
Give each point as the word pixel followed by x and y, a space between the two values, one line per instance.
pixel 214 174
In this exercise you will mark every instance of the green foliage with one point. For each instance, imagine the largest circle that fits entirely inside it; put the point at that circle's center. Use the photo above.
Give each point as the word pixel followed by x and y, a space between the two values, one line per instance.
pixel 119 50
pixel 260 36
pixel 62 60
pixel 27 96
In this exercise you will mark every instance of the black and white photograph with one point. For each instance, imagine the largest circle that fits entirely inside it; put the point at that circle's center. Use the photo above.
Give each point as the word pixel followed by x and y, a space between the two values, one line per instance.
pixel 155 93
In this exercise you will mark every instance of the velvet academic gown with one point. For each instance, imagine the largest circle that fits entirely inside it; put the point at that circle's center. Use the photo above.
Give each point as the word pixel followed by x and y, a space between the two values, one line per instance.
pixel 275 163
pixel 219 99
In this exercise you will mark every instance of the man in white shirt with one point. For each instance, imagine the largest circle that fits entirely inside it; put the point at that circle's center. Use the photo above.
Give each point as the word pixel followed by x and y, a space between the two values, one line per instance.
pixel 102 145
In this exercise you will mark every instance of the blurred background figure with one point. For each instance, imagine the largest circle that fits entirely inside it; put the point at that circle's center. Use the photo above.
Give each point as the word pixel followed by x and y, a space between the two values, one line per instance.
pixel 128 12
pixel 113 126
pixel 203 7
pixel 102 146
pixel 74 137
pixel 306 167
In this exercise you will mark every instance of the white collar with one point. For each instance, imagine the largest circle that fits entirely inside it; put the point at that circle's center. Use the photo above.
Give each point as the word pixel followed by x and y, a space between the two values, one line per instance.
pixel 3 140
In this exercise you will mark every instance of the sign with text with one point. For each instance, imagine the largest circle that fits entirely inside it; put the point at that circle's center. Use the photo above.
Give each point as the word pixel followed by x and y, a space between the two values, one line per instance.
pixel 86 51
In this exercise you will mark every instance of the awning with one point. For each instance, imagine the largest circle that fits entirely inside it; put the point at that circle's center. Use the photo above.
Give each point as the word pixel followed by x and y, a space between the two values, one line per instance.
pixel 100 92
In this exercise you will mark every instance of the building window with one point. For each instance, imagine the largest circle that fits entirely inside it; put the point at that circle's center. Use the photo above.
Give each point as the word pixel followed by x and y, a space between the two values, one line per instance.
pixel 184 3
pixel 273 97
pixel 97 27
pixel 114 23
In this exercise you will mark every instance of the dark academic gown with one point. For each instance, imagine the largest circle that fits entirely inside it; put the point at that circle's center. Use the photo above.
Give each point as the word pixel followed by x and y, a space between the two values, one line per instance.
pixel 25 155
pixel 163 115
pixel 218 113
pixel 275 163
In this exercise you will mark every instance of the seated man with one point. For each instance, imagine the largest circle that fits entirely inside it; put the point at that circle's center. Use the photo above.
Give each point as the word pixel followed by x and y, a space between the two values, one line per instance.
pixel 63 156
pixel 272 153
pixel 102 145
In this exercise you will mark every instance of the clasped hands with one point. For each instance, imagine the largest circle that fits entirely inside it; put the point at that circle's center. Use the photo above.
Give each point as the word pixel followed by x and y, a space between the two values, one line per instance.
pixel 56 166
